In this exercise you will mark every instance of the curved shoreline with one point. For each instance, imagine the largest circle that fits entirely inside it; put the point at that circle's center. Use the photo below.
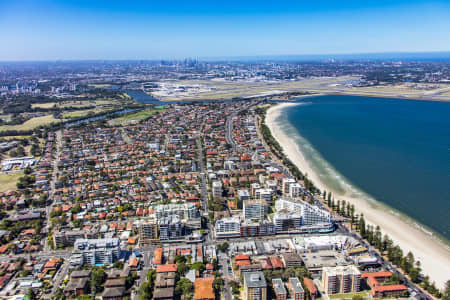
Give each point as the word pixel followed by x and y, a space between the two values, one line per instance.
pixel 427 249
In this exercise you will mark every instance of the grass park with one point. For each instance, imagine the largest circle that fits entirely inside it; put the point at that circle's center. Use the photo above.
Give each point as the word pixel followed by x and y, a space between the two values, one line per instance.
pixel 8 181
pixel 31 123
pixel 135 117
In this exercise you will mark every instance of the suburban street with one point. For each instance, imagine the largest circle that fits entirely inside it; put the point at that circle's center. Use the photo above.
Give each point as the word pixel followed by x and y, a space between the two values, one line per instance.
pixel 53 184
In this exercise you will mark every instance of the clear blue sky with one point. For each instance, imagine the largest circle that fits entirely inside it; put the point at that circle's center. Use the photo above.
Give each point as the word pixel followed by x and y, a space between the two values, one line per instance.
pixel 89 29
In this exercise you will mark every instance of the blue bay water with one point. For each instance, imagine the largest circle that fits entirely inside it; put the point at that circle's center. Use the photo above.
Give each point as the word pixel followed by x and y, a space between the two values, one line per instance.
pixel 396 151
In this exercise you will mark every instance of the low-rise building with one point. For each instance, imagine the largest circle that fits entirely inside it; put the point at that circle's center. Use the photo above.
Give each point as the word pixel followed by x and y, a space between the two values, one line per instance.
pixel 311 287
pixel 291 260
pixel 203 289
pixel 279 289
pixel 296 289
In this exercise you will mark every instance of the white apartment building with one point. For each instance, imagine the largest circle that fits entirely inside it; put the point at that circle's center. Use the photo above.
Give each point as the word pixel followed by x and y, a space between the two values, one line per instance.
pixel 98 251
pixel 272 185
pixel 264 194
pixel 286 184
pixel 243 195
pixel 253 188
pixel 228 227
pixel 295 190
pixel 310 214
pixel 217 189
pixel 184 211
pixel 170 228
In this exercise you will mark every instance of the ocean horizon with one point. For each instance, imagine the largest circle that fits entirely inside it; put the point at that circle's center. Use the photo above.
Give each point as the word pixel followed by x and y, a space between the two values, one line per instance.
pixel 390 152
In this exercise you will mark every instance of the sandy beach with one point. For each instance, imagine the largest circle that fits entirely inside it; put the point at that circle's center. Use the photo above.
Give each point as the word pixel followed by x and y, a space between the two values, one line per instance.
pixel 433 254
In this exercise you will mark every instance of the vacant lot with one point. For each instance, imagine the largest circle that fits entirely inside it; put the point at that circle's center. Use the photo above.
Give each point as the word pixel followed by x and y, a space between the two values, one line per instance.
pixel 8 181
pixel 31 124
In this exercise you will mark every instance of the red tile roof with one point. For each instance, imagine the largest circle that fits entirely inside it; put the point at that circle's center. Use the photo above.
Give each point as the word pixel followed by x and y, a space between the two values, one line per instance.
pixel 265 264
pixel 166 268
pixel 241 257
pixel 310 285
pixel 204 288
pixel 243 263
pixel 388 288
pixel 376 274
pixel 276 262
pixel 157 259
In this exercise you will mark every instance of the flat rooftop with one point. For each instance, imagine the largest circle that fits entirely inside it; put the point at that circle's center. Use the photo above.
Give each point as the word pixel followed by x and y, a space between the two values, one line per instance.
pixel 324 258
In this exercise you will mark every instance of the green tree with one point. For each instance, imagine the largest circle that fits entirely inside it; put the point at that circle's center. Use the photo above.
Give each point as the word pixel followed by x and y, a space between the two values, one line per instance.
pixel 182 268
pixel 199 266
pixel 414 274
pixel 446 294
pixel 31 294
pixel 27 170
pixel 223 247
pixel 218 284
pixel 184 287
pixel 362 226
pixel 146 289
pixel 98 277
pixel 215 264
pixel 180 259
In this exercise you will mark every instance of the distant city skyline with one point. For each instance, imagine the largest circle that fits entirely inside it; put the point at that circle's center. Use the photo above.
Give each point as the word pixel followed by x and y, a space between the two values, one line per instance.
pixel 72 30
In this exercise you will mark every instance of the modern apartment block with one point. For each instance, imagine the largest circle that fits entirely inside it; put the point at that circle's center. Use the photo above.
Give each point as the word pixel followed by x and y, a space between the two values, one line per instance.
pixel 295 190
pixel 185 211
pixel 285 185
pixel 217 189
pixel 254 209
pixel 67 238
pixel 98 251
pixel 341 279
pixel 285 221
pixel 148 231
pixel 264 194
pixel 310 214
pixel 255 286
pixel 279 289
pixel 296 289
pixel 170 228
pixel 243 195
pixel 228 227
